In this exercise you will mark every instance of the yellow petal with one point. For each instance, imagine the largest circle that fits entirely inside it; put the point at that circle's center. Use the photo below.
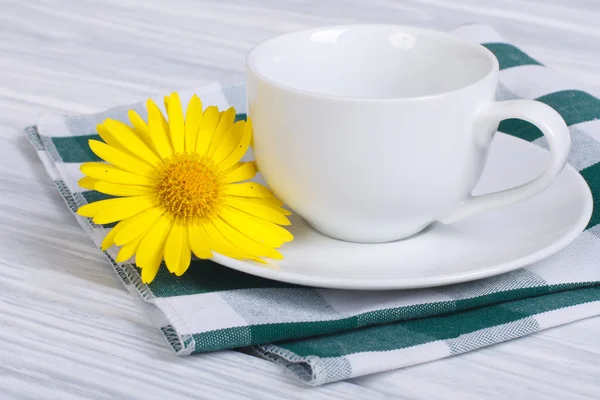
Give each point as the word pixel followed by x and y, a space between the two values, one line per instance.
pixel 173 247
pixel 114 137
pixel 251 202
pixel 138 225
pixel 92 209
pixel 117 189
pixel 151 269
pixel 259 230
pixel 151 249
pixel 221 245
pixel 109 239
pixel 234 150
pixel 260 209
pixel 193 119
pixel 121 159
pixel 109 138
pixel 110 173
pixel 283 233
pixel 244 243
pixel 87 182
pixel 241 172
pixel 128 249
pixel 254 190
pixel 166 101
pixel 176 126
pixel 177 249
pixel 159 130
pixel 186 254
pixel 206 131
pixel 223 127
pixel 140 126
pixel 199 241
pixel 124 207
pixel 130 140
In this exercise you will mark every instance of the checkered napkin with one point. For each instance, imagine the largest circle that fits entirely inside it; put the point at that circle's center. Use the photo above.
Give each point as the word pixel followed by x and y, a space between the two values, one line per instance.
pixel 328 335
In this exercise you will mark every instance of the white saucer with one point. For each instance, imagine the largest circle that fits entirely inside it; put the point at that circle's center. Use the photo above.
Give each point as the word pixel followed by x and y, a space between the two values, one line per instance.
pixel 478 247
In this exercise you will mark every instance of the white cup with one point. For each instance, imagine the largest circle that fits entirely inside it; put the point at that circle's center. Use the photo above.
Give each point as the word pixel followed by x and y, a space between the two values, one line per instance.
pixel 373 132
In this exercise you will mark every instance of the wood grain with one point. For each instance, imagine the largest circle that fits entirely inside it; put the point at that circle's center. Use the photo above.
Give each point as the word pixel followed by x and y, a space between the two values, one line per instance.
pixel 68 329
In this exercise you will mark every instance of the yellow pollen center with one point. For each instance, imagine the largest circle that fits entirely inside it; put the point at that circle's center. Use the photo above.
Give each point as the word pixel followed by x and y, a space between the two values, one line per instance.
pixel 189 186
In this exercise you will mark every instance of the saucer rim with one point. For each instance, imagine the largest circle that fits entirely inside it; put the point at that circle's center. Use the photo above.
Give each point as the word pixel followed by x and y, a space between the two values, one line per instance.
pixel 388 283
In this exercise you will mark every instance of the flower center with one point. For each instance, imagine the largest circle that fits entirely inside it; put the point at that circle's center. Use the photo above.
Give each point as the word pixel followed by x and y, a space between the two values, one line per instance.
pixel 189 186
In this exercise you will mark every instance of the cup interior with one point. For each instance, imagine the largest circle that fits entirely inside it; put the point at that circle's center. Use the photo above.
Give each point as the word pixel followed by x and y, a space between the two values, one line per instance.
pixel 371 61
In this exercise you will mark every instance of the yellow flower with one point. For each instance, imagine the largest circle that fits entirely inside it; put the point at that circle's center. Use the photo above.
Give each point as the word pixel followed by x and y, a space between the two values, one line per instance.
pixel 179 189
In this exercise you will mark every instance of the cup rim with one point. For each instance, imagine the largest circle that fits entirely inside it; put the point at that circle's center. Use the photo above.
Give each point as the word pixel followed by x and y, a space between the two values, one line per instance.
pixel 411 29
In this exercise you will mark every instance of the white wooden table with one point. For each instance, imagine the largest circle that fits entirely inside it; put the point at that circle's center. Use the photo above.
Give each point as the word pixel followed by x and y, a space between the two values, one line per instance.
pixel 68 329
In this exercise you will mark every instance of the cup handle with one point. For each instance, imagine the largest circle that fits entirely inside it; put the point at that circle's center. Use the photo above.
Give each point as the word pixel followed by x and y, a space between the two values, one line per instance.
pixel 554 129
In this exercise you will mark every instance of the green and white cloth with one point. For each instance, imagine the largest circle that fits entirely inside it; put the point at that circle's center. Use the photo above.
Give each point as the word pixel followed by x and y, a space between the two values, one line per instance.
pixel 325 335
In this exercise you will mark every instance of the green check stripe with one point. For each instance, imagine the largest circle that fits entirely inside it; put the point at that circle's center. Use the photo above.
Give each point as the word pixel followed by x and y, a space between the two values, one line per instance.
pixel 75 149
pixel 92 196
pixel 509 56
pixel 267 333
pixel 592 176
pixel 205 276
pixel 443 327
pixel 574 106
pixel 403 335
